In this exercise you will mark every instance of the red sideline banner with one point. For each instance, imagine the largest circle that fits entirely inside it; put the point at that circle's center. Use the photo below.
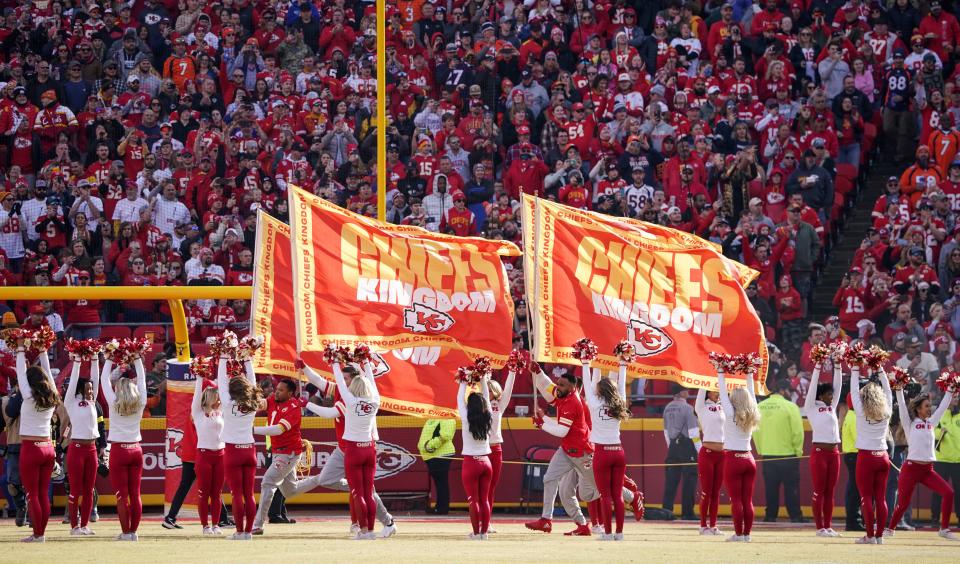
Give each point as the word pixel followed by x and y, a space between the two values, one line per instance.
pixel 180 385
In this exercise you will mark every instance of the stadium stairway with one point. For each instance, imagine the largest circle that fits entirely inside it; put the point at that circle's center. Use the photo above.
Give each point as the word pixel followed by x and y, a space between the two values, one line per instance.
pixel 855 229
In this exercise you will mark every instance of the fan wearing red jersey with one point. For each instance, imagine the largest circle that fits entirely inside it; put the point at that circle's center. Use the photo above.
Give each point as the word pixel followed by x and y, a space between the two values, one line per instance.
pixel 284 414
pixel 575 452
pixel 459 220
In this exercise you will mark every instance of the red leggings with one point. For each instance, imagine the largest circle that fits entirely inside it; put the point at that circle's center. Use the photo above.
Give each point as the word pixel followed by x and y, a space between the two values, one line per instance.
pixel 872 469
pixel 360 464
pixel 825 471
pixel 609 467
pixel 126 471
pixel 82 472
pixel 209 468
pixel 913 473
pixel 710 474
pixel 496 463
pixel 240 467
pixel 739 472
pixel 477 476
pixel 36 465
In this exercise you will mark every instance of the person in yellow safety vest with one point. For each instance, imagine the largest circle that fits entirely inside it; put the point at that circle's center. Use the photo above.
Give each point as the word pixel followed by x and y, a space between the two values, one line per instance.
pixel 848 438
pixel 947 442
pixel 436 445
pixel 779 442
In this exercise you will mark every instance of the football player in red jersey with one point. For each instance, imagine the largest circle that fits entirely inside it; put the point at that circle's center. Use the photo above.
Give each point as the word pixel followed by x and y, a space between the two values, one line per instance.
pixel 284 413
pixel 575 453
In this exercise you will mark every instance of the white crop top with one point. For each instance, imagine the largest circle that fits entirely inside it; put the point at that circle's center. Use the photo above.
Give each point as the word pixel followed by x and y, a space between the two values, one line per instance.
pixel 209 426
pixel 711 417
pixel 34 422
pixel 237 425
pixel 83 412
pixel 823 417
pixel 919 432
pixel 497 408
pixel 605 429
pixel 124 428
pixel 471 446
pixel 871 435
pixel 360 415
pixel 735 438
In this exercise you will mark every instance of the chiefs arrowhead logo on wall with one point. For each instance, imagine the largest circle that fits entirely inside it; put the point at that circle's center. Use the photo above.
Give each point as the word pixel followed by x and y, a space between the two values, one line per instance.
pixel 647 339
pixel 423 319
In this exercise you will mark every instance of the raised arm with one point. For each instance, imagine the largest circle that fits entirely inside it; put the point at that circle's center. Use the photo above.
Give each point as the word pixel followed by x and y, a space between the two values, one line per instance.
pixel 325 386
pixel 106 383
pixel 223 382
pixel 544 384
pixel 345 392
pixel 885 382
pixel 590 379
pixel 248 369
pixel 74 376
pixel 22 375
pixel 902 408
pixel 837 385
pixel 942 408
pixel 45 365
pixel 507 393
pixel 808 401
pixel 622 381
pixel 367 371
pixel 855 389
pixel 461 402
pixel 485 390
pixel 700 404
pixel 195 408
pixel 141 379
pixel 750 386
pixel 95 376
pixel 724 396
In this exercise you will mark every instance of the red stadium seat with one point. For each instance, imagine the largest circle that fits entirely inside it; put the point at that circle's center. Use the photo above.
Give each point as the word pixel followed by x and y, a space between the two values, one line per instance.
pixel 115 332
pixel 844 185
pixel 847 171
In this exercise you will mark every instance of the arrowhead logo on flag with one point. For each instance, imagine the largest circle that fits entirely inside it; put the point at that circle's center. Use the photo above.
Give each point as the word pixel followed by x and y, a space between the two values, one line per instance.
pixel 380 365
pixel 423 319
pixel 647 339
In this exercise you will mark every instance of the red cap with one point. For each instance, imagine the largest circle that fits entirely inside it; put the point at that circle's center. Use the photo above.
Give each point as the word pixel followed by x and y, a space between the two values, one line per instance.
pixel 458 195
pixel 523 130
pixel 577 106
pixel 37 309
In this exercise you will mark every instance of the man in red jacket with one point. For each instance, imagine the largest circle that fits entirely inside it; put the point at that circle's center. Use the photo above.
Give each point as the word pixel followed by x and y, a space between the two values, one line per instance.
pixel 525 174
pixel 852 301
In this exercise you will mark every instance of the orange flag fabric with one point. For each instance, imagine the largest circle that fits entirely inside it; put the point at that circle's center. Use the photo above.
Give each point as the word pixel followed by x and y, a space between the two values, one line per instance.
pixel 356 279
pixel 674 296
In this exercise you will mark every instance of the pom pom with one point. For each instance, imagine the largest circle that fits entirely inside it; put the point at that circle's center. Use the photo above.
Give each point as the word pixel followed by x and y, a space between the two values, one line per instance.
pixel 899 378
pixel 837 351
pixel 720 361
pixel 224 345
pixel 875 357
pixel 336 355
pixel 518 361
pixel 625 351
pixel 466 374
pixel 236 369
pixel 33 340
pixel 819 353
pixel 202 367
pixel 124 352
pixel 584 350
pixel 949 380
pixel 249 346
pixel 83 349
pixel 482 366
pixel 361 354
pixel 855 354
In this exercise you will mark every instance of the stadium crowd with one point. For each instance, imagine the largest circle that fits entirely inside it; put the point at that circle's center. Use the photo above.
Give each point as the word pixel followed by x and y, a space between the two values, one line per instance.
pixel 141 139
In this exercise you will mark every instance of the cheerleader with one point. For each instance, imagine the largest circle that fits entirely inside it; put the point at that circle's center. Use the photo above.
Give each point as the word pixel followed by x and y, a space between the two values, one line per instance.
pixel 710 458
pixel 872 406
pixel 820 409
pixel 240 400
pixel 741 419
pixel 37 454
pixel 918 468
pixel 361 401
pixel 477 472
pixel 208 423
pixel 607 402
pixel 333 474
pixel 126 400
pixel 499 401
pixel 80 402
